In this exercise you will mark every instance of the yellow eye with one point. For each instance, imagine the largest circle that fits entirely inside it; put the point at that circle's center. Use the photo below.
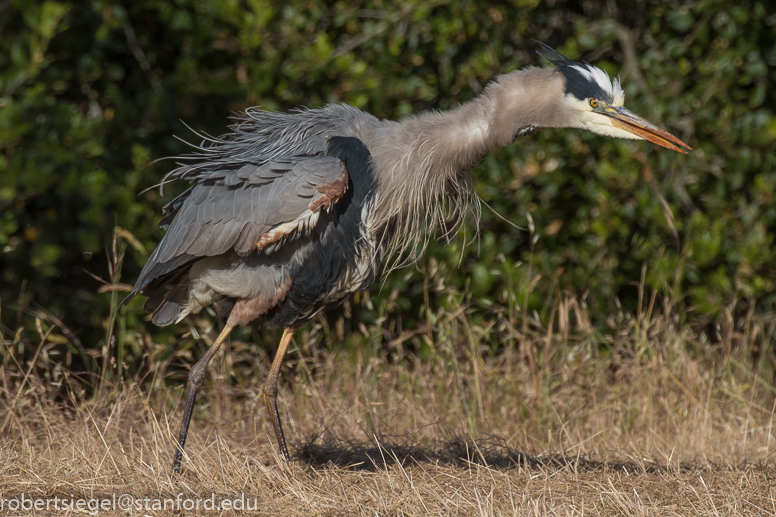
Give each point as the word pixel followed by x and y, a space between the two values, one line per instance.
pixel 593 103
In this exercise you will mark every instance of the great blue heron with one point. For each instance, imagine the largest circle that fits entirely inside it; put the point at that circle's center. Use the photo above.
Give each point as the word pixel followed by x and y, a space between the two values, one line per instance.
pixel 292 212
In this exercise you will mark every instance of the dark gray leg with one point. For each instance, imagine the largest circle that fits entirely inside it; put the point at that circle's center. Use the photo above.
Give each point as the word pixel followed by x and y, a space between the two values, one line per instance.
pixel 271 390
pixel 196 376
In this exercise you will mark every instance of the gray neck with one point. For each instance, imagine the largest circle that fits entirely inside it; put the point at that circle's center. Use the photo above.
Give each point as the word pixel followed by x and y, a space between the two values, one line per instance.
pixel 421 160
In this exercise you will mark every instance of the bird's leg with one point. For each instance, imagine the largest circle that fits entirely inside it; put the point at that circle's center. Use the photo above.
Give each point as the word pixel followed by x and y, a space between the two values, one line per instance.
pixel 196 376
pixel 271 390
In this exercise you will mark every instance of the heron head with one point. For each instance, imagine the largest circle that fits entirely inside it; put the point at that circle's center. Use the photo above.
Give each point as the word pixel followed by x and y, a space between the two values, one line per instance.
pixel 594 102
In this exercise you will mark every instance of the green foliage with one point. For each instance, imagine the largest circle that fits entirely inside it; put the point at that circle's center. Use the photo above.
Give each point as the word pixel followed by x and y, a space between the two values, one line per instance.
pixel 91 93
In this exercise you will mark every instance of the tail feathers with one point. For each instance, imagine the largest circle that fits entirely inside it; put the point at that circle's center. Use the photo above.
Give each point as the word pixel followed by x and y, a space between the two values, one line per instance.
pixel 169 312
pixel 169 301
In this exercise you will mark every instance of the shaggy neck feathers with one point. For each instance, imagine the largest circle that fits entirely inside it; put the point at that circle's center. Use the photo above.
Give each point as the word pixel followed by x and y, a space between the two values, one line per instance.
pixel 423 159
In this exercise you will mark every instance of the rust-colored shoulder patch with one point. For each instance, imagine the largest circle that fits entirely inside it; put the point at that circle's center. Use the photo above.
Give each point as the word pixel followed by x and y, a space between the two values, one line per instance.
pixel 273 235
pixel 327 195
pixel 330 192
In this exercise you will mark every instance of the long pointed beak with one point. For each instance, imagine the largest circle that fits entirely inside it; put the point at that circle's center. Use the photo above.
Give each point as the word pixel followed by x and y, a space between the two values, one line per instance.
pixel 632 123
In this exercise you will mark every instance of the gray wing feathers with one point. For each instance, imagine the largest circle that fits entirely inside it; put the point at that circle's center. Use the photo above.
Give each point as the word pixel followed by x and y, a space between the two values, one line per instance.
pixel 233 209
pixel 168 301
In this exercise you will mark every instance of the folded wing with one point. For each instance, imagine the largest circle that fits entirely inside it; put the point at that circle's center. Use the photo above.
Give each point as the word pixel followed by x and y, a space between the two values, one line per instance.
pixel 246 208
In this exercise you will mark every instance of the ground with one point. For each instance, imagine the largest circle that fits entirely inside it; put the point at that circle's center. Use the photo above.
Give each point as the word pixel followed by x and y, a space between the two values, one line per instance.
pixel 650 420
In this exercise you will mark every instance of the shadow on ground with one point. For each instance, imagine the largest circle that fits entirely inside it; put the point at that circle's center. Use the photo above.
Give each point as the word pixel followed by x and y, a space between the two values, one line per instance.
pixel 385 452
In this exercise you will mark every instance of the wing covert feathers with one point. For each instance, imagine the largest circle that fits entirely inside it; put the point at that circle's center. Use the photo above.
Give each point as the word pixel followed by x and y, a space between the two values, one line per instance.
pixel 246 209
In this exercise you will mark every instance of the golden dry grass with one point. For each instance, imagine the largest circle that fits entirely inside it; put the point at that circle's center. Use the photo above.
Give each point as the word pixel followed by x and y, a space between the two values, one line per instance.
pixel 650 419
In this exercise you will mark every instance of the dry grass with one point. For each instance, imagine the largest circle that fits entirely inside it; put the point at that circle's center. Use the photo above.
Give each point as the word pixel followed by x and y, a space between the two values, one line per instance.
pixel 650 419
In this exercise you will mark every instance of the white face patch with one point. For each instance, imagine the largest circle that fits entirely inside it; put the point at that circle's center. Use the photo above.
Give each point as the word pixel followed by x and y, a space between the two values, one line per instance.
pixel 601 125
pixel 601 78
pixel 582 116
